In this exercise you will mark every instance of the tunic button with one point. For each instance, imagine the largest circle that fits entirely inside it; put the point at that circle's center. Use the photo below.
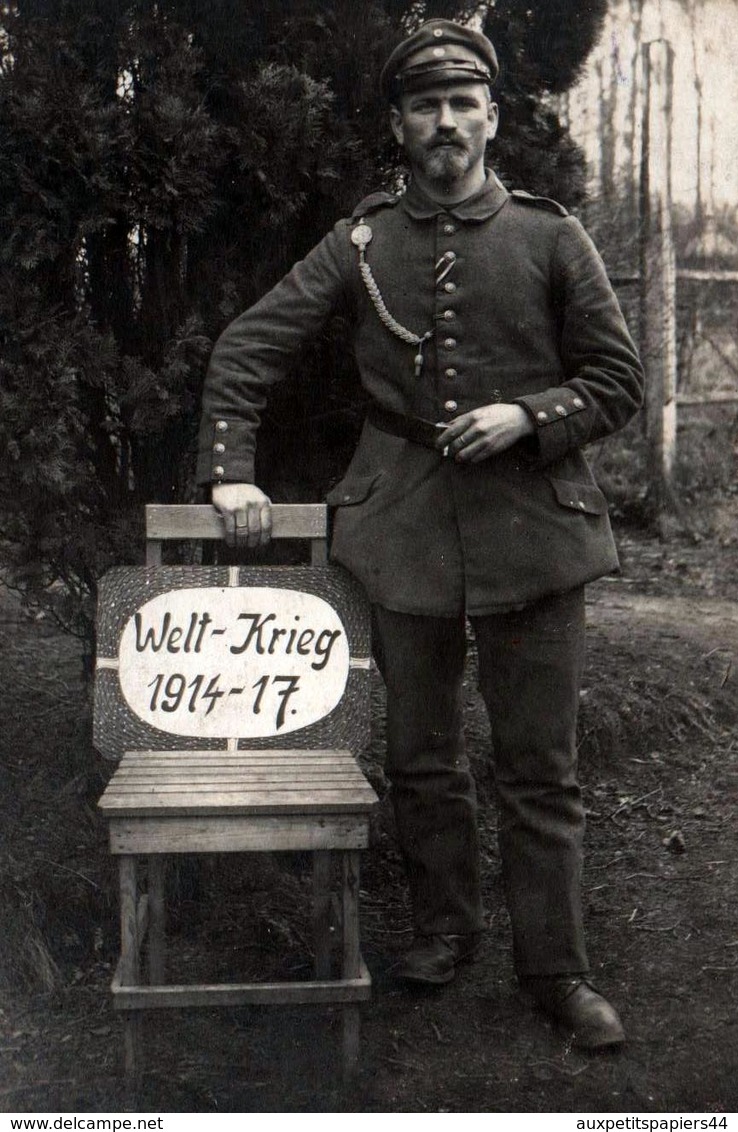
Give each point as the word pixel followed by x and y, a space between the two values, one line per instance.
pixel 541 416
pixel 448 315
pixel 222 426
pixel 582 504
pixel 218 471
pixel 449 229
pixel 449 287
pixel 578 403
pixel 449 343
pixel 219 448
pixel 452 373
pixel 561 410
pixel 451 406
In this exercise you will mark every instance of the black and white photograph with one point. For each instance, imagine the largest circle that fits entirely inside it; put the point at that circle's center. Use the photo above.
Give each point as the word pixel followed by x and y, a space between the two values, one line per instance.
pixel 369 560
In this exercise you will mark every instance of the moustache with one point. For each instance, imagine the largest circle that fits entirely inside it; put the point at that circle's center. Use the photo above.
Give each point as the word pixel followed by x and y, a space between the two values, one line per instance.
pixel 445 143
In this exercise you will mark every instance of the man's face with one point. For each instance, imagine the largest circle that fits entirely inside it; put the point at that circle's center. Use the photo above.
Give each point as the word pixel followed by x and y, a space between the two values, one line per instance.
pixel 444 129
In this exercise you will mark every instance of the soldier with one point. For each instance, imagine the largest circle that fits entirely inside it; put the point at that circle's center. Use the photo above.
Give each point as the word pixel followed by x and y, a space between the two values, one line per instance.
pixel 492 348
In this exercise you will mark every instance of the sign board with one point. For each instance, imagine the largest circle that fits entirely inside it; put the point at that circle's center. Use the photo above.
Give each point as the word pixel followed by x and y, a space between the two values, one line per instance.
pixel 219 657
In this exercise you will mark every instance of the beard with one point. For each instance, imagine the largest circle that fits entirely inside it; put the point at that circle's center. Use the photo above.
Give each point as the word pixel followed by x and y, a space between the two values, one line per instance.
pixel 445 163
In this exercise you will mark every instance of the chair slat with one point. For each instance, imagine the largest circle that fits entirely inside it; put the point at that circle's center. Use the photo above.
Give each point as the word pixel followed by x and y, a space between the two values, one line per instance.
pixel 202 521
pixel 240 804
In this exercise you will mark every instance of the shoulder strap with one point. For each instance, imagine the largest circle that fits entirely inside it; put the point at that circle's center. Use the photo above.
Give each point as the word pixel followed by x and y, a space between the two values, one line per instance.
pixel 539 202
pixel 373 203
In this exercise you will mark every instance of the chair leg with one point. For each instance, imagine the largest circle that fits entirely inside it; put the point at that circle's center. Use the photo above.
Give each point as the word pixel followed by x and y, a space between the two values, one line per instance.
pixel 322 861
pixel 351 965
pixel 129 961
pixel 132 1048
pixel 157 919
pixel 350 1041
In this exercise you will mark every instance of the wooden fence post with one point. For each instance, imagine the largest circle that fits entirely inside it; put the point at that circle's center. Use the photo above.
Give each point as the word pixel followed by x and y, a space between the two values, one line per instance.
pixel 658 278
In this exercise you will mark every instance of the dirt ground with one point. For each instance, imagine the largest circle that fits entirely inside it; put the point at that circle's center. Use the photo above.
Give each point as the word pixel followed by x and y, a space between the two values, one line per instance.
pixel 659 765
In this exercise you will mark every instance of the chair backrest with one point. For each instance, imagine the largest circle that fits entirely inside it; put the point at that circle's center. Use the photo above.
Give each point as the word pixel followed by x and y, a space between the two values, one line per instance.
pixel 231 657
pixel 306 521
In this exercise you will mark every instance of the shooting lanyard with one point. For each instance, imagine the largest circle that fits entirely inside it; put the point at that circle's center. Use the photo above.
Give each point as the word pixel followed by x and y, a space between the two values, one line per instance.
pixel 361 236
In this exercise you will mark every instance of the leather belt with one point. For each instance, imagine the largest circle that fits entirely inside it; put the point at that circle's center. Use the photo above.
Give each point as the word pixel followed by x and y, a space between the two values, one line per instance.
pixel 416 429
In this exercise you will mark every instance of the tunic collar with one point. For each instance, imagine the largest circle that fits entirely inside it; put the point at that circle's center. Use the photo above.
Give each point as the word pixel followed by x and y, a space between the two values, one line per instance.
pixel 480 206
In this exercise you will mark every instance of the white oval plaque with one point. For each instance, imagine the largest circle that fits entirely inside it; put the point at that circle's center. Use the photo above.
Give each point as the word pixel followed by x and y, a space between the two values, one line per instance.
pixel 251 662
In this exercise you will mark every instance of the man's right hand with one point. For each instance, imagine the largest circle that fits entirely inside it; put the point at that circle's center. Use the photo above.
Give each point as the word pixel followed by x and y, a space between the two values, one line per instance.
pixel 246 512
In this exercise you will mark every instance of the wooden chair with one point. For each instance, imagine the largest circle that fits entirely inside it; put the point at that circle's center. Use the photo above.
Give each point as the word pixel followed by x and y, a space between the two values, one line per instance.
pixel 175 793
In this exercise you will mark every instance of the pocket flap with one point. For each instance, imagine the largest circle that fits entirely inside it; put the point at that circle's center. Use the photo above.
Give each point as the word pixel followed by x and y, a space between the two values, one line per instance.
pixel 352 489
pixel 584 497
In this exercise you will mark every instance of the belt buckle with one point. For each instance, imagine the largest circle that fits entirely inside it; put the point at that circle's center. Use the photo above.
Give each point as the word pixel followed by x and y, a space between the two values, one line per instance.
pixel 444 451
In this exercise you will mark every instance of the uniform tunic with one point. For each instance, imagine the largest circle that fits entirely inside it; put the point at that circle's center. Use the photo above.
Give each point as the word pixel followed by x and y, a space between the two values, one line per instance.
pixel 521 311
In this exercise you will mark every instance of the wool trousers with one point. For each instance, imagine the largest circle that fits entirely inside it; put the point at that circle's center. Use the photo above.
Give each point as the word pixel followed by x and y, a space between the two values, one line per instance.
pixel 530 665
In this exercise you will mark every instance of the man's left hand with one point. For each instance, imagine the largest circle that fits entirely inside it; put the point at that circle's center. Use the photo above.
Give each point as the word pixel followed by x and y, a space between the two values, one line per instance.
pixel 484 432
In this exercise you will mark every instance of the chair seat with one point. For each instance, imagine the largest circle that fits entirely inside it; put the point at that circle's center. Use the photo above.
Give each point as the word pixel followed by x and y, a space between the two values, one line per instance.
pixel 239 783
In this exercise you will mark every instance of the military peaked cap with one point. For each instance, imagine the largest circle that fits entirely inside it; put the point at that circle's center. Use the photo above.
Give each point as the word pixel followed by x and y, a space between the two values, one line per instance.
pixel 440 51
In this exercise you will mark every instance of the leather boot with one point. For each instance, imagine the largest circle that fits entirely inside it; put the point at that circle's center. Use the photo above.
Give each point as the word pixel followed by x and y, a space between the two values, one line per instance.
pixel 433 959
pixel 572 1001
